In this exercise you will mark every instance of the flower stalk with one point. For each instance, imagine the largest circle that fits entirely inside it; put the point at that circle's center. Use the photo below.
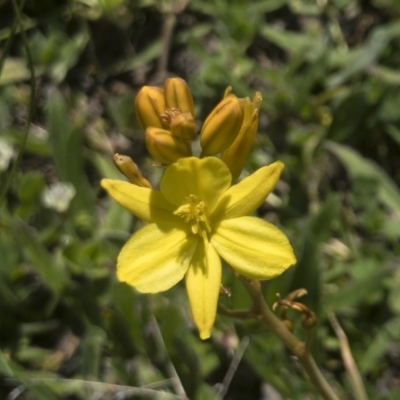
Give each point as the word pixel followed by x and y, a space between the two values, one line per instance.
pixel 298 348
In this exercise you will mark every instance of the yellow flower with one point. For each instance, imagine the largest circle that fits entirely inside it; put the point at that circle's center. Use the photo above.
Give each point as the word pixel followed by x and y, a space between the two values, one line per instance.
pixel 195 219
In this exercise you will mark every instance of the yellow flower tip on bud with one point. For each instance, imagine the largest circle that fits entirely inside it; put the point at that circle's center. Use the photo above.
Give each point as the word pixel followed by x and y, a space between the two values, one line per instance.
pixel 149 105
pixel 257 99
pixel 183 126
pixel 222 126
pixel 164 147
pixel 236 154
pixel 228 91
pixel 180 124
pixel 127 167
pixel 178 95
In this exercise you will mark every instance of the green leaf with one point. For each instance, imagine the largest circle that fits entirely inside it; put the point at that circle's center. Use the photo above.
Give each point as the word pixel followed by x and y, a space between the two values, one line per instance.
pixel 293 42
pixel 92 347
pixel 380 343
pixel 5 369
pixel 14 70
pixel 60 129
pixel 67 144
pixel 51 269
pixel 394 133
pixel 205 392
pixel 127 302
pixel 387 75
pixel 358 290
pixel 360 167
pixel 348 116
pixel 376 44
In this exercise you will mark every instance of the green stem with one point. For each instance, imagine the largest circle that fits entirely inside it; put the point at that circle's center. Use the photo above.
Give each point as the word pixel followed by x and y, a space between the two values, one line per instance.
pixel 235 314
pixel 297 347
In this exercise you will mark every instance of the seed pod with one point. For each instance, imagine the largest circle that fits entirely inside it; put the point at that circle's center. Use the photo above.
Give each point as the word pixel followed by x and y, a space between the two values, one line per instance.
pixel 126 166
pixel 222 126
pixel 288 324
pixel 183 126
pixel 308 320
pixel 164 147
pixel 178 95
pixel 149 105
pixel 236 154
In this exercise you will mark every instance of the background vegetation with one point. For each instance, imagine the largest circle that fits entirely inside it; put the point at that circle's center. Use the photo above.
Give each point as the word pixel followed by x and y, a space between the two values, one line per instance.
pixel 329 74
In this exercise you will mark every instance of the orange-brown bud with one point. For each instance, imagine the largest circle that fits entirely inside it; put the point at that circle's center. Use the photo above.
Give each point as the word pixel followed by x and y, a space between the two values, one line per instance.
pixel 236 154
pixel 222 126
pixel 149 105
pixel 164 147
pixel 126 166
pixel 178 95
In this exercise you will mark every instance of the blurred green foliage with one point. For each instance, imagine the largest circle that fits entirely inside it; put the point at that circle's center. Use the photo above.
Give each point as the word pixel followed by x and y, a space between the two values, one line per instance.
pixel 329 74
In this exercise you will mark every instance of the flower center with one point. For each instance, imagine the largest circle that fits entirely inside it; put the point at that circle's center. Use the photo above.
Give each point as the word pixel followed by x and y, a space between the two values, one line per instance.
pixel 193 212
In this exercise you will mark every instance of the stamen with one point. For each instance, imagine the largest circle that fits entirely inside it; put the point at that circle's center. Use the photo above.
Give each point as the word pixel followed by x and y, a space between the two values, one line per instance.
pixel 193 212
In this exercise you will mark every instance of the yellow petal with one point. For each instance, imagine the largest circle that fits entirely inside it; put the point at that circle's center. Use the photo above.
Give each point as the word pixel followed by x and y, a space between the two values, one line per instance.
pixel 147 204
pixel 203 281
pixel 253 247
pixel 153 261
pixel 246 196
pixel 207 178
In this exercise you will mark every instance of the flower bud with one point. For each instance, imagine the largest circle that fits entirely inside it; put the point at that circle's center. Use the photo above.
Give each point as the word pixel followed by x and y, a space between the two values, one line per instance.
pixel 164 147
pixel 222 126
pixel 178 95
pixel 183 126
pixel 126 166
pixel 236 154
pixel 149 105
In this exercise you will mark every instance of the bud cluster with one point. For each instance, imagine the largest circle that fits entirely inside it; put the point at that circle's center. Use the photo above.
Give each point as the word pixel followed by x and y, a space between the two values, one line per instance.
pixel 168 118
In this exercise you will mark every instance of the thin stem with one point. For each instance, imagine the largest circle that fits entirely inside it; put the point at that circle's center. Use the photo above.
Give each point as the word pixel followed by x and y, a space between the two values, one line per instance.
pixel 297 347
pixel 119 390
pixel 233 367
pixel 245 314
pixel 8 44
pixel 177 384
pixel 166 34
pixel 348 360
pixel 309 339
pixel 167 29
